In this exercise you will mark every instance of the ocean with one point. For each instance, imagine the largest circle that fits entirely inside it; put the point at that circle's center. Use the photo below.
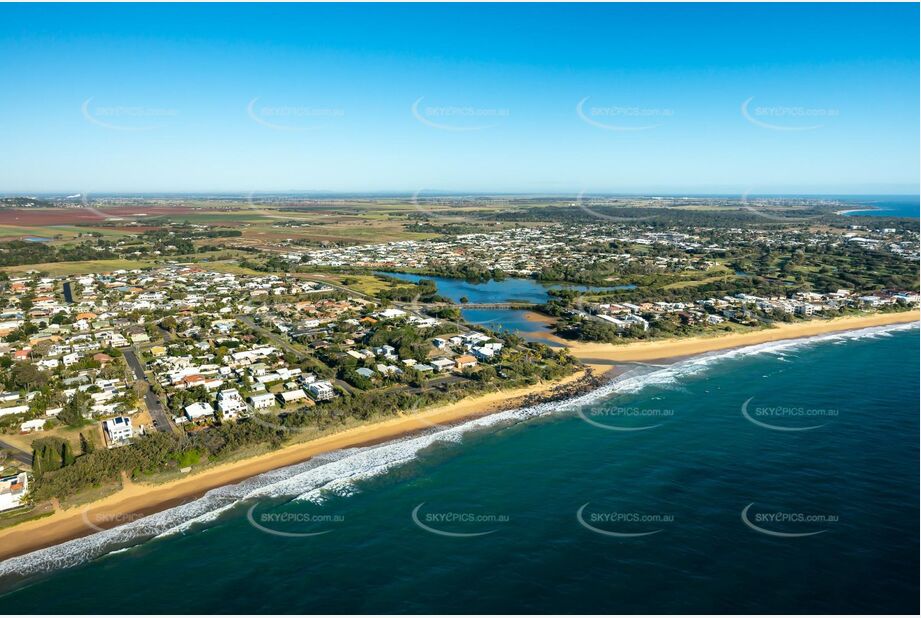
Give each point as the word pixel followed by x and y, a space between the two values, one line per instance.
pixel 884 205
pixel 781 478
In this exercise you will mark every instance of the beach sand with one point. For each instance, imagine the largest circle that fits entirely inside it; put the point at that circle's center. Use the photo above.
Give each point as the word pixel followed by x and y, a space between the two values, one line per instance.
pixel 602 356
pixel 137 499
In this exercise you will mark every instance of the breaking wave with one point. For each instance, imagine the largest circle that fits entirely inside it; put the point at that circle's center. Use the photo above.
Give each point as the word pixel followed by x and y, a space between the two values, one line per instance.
pixel 339 473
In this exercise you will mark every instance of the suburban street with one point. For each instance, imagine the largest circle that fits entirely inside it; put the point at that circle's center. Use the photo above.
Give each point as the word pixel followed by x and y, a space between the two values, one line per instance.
pixel 160 418
pixel 18 454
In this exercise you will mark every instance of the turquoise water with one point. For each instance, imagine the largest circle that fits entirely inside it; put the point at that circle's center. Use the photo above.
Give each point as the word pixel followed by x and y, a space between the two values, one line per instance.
pixel 682 478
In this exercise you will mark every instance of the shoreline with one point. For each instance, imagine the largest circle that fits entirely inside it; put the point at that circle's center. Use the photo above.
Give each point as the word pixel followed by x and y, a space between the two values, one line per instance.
pixel 137 499
pixel 850 210
pixel 603 356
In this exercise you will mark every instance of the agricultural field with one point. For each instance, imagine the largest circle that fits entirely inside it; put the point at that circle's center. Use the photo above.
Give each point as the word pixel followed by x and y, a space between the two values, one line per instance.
pixel 57 269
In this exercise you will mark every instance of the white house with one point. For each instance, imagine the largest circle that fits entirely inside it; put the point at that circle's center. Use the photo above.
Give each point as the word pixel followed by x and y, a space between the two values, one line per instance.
pixel 14 410
pixel 389 314
pixel 230 403
pixel 321 390
pixel 198 410
pixel 442 364
pixel 36 424
pixel 13 491
pixel 118 430
pixel 261 402
pixel 292 396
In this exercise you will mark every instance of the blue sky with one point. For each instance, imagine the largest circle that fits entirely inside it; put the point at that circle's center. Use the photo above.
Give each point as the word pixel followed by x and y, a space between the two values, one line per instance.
pixel 656 98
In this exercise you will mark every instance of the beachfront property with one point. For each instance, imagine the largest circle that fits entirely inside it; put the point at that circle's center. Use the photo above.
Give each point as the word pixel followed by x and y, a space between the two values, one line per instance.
pixel 14 490
pixel 230 403
pixel 321 390
pixel 261 401
pixel 465 361
pixel 118 430
pixel 198 410
pixel 293 396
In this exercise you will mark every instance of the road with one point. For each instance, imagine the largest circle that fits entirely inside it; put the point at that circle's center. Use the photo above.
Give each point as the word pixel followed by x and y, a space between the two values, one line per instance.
pixel 291 348
pixel 278 340
pixel 18 454
pixel 508 305
pixel 161 419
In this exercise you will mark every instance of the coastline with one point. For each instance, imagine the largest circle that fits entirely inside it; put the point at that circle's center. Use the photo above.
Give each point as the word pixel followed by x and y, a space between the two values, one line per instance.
pixel 602 356
pixel 850 210
pixel 136 499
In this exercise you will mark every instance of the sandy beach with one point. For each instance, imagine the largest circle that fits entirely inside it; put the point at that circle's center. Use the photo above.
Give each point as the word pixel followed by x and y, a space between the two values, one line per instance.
pixel 137 499
pixel 601 356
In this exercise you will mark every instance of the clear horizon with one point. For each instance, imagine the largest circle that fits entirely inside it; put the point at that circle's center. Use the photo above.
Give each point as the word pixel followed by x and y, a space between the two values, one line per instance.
pixel 460 99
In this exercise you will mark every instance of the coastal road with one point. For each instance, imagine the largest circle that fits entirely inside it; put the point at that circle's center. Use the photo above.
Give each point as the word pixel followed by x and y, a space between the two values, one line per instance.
pixel 17 453
pixel 154 406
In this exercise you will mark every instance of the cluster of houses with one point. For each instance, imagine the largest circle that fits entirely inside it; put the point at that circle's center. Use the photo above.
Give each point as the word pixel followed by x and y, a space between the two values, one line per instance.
pixel 67 328
pixel 192 327
pixel 520 251
pixel 742 308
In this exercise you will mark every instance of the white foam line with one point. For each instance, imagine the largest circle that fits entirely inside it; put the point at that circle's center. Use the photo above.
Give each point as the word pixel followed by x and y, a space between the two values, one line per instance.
pixel 337 473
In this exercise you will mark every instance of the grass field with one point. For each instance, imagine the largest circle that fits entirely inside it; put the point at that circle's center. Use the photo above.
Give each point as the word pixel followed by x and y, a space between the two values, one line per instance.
pixel 56 233
pixel 364 284
pixel 56 269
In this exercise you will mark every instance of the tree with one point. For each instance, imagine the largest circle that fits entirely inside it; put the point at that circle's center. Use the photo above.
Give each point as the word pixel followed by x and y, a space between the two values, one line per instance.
pixel 140 388
pixel 67 455
pixel 25 375
pixel 86 445
pixel 75 410
pixel 47 455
